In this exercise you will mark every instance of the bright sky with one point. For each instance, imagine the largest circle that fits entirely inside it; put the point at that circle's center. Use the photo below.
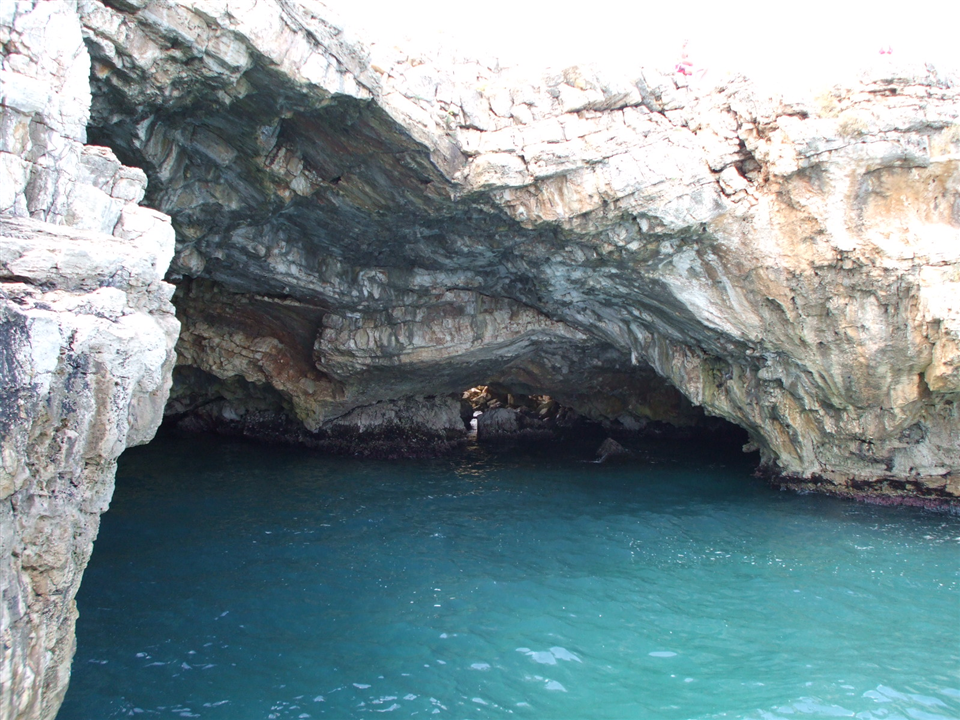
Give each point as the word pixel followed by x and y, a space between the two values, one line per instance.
pixel 807 41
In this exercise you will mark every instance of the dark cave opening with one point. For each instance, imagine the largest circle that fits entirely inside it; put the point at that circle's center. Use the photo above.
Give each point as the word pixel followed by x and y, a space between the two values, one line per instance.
pixel 491 414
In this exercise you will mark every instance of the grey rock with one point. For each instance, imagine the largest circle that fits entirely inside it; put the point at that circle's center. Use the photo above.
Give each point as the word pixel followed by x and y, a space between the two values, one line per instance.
pixel 86 351
pixel 498 424
pixel 610 448
pixel 87 333
pixel 785 263
pixel 401 428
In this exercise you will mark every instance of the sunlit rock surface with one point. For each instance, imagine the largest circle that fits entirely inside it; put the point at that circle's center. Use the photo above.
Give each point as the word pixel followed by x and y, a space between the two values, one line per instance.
pixel 86 343
pixel 362 233
pixel 373 225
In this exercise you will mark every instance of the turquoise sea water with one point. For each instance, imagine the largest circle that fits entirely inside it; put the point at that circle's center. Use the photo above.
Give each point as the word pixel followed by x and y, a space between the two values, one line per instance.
pixel 236 582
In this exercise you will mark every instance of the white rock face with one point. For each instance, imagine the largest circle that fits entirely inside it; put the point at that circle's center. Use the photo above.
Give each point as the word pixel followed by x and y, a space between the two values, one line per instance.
pixel 86 343
pixel 87 355
pixel 790 265
pixel 358 228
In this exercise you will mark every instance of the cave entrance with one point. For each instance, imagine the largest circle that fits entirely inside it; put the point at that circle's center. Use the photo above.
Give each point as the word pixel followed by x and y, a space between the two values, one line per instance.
pixel 497 412
pixel 494 411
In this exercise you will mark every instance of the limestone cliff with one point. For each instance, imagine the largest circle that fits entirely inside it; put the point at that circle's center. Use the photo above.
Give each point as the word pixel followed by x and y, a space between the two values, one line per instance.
pixel 86 343
pixel 360 225
pixel 362 231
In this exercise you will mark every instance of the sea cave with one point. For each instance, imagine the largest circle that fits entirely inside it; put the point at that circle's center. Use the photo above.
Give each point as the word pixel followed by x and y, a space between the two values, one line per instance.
pixel 466 389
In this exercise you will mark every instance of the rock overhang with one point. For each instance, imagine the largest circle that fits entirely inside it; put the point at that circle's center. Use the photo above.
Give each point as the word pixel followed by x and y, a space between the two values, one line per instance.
pixel 359 239
pixel 782 264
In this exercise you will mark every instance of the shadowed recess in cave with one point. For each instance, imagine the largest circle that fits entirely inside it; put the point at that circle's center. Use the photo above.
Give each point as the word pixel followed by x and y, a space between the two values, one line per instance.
pixel 424 222
pixel 353 235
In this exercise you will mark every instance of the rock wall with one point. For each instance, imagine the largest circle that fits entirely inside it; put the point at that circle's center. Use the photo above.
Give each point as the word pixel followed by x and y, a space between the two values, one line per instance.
pixel 363 224
pixel 362 231
pixel 86 342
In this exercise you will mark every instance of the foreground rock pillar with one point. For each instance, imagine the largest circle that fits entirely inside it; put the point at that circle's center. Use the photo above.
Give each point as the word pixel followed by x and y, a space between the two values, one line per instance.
pixel 86 343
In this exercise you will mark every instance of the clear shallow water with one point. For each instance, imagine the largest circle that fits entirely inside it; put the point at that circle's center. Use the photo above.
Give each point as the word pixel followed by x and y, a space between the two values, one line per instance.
pixel 238 582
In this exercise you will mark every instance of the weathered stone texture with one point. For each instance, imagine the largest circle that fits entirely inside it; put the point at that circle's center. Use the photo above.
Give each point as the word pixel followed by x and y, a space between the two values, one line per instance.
pixel 85 362
pixel 86 342
pixel 361 232
pixel 791 266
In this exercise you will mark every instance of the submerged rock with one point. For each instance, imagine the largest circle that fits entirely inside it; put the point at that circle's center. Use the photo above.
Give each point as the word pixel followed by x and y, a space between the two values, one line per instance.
pixel 610 448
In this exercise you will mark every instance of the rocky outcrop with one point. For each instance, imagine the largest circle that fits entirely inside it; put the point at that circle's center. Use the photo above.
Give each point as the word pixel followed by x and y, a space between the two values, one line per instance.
pixel 360 225
pixel 364 233
pixel 498 423
pixel 86 343
pixel 610 448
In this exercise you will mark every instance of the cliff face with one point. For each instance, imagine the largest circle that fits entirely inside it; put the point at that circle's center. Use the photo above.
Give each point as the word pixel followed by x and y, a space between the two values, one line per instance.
pixel 361 233
pixel 86 343
pixel 357 227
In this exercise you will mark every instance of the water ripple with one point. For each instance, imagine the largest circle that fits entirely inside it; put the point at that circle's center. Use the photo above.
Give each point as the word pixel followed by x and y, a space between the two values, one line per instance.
pixel 239 583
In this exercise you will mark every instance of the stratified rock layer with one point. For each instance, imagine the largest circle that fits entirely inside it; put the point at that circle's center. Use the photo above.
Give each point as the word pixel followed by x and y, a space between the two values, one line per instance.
pixel 362 233
pixel 86 343
pixel 372 225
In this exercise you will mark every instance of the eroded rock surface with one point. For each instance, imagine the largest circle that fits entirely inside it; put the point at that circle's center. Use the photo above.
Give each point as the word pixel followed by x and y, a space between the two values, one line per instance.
pixel 368 224
pixel 87 333
pixel 362 233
